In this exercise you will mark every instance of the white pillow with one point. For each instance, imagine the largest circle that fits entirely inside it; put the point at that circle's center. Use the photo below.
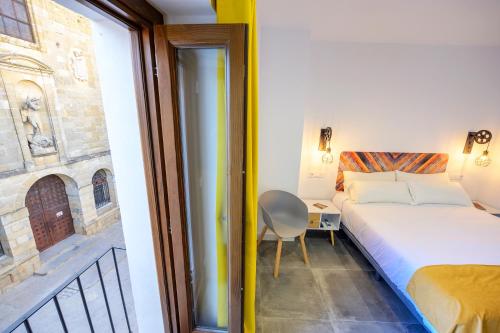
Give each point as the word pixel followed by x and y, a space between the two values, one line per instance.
pixel 380 191
pixel 351 176
pixel 450 193
pixel 422 177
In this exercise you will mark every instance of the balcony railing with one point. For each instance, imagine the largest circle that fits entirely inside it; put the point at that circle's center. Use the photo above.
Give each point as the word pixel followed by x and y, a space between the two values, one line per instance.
pixel 54 298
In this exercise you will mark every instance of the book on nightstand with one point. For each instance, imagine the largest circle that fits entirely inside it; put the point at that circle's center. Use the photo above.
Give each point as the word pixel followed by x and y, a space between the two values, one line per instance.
pixel 320 205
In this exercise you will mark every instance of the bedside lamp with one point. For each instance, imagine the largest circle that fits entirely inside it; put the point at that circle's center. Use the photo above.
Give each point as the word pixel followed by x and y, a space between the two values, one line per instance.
pixel 484 159
pixel 325 139
pixel 481 137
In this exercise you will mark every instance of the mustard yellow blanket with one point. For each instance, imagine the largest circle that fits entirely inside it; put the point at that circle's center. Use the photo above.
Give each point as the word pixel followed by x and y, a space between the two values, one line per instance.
pixel 458 298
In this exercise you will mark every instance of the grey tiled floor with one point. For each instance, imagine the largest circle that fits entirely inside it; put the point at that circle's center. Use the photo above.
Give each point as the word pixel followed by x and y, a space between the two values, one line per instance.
pixel 337 292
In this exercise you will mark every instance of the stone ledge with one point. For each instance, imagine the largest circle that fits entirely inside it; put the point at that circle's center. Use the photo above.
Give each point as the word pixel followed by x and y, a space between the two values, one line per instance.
pixel 87 157
pixel 16 272
pixel 18 215
pixel 15 172
pixel 6 262
pixel 102 221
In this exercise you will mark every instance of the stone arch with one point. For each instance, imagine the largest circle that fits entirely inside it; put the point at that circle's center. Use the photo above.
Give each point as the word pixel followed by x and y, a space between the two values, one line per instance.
pixel 24 62
pixel 72 191
pixel 24 187
pixel 75 203
pixel 105 168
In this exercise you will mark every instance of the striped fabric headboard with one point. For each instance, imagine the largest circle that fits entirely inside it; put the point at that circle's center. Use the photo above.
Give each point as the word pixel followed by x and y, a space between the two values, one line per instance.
pixel 383 161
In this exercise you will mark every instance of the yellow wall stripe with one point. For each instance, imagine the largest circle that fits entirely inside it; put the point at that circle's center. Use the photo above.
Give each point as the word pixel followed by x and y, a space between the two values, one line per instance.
pixel 244 11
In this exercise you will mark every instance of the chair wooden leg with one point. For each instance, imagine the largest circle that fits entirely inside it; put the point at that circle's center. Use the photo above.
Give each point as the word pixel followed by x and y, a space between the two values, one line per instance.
pixel 303 246
pixel 261 236
pixel 277 260
pixel 332 235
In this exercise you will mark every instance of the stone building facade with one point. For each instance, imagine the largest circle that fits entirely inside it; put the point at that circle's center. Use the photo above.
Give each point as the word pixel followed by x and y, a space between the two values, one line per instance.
pixel 56 174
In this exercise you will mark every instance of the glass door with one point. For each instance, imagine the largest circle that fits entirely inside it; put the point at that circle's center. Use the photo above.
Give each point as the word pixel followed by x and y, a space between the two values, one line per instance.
pixel 201 83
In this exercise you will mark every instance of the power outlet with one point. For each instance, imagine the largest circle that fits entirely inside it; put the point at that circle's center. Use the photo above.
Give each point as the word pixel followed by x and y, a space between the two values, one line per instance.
pixel 316 174
pixel 456 177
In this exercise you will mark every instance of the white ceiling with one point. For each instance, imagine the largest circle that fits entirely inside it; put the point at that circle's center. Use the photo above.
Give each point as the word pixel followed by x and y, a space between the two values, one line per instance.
pixel 462 22
pixel 173 8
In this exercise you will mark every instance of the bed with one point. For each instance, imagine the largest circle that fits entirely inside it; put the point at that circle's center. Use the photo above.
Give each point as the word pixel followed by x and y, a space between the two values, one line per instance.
pixel 400 240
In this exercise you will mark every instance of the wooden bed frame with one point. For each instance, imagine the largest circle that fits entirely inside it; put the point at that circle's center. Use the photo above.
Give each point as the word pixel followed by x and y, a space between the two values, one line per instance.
pixel 421 163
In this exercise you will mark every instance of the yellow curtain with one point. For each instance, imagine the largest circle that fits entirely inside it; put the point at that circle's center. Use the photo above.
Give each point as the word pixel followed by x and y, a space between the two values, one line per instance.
pixel 244 11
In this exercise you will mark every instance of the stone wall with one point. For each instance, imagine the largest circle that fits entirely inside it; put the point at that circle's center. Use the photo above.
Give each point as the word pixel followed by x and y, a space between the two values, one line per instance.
pixel 59 69
pixel 11 157
pixel 77 104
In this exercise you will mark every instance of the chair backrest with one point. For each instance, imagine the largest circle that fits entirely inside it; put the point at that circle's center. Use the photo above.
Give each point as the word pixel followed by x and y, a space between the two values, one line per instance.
pixel 278 202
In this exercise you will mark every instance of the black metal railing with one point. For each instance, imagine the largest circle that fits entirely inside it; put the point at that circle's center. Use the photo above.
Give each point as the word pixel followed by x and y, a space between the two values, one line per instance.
pixel 54 298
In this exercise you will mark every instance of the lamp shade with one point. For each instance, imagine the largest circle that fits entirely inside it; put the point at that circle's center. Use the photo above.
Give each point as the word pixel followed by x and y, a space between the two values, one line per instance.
pixel 324 138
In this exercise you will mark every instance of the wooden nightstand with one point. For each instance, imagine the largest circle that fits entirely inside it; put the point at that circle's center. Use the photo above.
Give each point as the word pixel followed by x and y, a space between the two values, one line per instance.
pixel 323 215
pixel 486 208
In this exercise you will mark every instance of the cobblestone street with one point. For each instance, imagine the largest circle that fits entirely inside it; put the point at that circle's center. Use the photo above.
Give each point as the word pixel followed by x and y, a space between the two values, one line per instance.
pixel 60 263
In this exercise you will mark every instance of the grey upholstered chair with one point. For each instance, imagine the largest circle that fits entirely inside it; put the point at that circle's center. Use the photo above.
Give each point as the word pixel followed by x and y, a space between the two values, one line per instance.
pixel 286 215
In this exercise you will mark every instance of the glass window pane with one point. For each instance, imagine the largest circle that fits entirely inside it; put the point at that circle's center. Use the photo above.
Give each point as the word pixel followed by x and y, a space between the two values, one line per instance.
pixel 1 250
pixel 25 32
pixel 6 8
pixel 21 13
pixel 201 79
pixel 11 27
pixel 101 189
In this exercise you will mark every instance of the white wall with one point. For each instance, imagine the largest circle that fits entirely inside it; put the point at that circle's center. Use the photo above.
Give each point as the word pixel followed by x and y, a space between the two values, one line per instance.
pixel 411 78
pixel 114 62
pixel 190 19
pixel 282 80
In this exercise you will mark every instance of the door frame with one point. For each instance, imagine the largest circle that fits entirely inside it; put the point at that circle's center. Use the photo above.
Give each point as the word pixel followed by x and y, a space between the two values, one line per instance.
pixel 232 37
pixel 140 18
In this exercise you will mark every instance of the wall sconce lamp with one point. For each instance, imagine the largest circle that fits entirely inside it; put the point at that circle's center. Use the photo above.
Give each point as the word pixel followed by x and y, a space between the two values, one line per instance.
pixel 325 139
pixel 481 137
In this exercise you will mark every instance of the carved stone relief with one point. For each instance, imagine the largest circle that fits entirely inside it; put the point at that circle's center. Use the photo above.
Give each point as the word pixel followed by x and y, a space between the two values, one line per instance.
pixel 79 65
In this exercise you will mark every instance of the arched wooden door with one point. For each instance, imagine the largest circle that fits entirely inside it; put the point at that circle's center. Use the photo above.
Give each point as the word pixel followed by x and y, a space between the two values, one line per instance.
pixel 50 215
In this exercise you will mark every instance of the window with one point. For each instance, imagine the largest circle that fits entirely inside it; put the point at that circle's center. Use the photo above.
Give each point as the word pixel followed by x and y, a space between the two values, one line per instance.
pixel 1 250
pixel 14 19
pixel 101 189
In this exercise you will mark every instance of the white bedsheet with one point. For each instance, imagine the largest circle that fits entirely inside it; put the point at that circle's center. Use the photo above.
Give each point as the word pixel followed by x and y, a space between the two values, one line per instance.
pixel 404 238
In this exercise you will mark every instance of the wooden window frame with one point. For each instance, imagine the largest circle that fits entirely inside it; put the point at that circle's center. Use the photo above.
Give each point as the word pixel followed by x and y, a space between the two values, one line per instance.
pixel 231 37
pixel 140 18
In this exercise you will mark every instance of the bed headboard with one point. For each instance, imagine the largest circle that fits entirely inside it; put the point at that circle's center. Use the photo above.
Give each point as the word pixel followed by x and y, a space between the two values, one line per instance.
pixel 383 161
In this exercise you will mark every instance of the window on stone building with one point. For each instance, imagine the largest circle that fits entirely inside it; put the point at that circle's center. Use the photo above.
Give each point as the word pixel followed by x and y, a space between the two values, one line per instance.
pixel 1 250
pixel 101 189
pixel 14 19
